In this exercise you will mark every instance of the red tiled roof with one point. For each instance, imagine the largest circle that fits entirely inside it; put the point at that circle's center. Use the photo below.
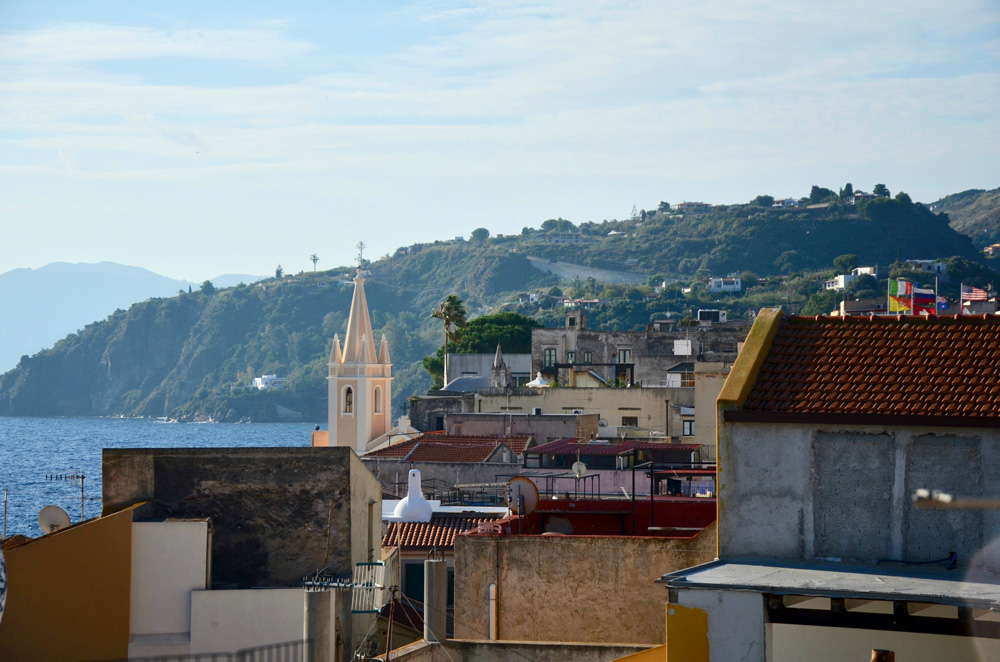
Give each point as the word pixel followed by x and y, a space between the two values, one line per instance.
pixel 439 532
pixel 942 369
pixel 570 446
pixel 451 448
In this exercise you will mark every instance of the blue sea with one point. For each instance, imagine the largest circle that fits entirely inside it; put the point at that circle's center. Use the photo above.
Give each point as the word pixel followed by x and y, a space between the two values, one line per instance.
pixel 32 450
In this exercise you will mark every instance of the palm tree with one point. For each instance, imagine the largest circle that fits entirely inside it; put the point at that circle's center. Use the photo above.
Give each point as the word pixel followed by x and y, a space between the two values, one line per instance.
pixel 451 311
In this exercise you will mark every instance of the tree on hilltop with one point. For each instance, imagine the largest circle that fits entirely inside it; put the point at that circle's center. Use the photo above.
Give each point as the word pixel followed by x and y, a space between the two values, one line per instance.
pixel 881 190
pixel 845 264
pixel 819 194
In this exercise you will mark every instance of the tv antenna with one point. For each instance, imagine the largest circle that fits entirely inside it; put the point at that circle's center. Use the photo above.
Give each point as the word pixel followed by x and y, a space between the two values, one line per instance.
pixel 52 519
pixel 76 475
pixel 361 255
pixel 314 258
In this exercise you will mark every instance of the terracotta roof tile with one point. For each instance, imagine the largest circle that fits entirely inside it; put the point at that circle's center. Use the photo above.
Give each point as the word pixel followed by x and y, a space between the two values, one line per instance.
pixel 885 366
pixel 440 532
pixel 451 448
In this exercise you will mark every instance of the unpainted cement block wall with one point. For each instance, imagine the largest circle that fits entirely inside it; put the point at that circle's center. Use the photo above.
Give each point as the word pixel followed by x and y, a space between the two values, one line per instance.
pixel 570 588
pixel 802 492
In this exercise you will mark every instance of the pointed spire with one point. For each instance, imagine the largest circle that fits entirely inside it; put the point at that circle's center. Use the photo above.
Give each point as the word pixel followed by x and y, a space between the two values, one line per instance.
pixel 335 355
pixel 383 351
pixel 498 359
pixel 359 328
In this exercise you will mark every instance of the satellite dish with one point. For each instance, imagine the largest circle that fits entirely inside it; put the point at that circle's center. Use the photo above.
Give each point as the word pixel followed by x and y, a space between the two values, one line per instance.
pixel 579 469
pixel 521 492
pixel 602 423
pixel 52 518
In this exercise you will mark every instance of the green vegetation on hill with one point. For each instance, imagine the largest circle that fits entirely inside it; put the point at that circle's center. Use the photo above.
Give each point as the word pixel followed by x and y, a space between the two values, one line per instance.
pixel 975 213
pixel 193 355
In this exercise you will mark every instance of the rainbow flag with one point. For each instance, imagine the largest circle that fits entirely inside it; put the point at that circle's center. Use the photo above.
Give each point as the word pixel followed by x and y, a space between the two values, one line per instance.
pixel 900 293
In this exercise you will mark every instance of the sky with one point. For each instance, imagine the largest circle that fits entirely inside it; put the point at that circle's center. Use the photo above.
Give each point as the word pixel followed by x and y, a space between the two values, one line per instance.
pixel 201 138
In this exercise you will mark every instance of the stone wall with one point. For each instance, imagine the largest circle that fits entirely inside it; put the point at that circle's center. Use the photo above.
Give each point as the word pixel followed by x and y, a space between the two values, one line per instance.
pixel 270 507
pixel 570 588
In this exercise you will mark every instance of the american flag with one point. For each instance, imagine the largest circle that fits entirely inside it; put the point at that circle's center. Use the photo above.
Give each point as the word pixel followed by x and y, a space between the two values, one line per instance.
pixel 970 293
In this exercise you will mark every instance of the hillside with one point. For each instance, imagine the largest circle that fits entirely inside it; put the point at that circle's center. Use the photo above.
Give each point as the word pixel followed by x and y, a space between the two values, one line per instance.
pixel 975 213
pixel 60 298
pixel 192 355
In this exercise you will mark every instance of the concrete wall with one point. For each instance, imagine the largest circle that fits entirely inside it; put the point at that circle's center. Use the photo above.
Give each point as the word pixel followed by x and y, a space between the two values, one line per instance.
pixel 736 625
pixel 451 473
pixel 481 365
pixel 269 506
pixel 652 351
pixel 791 643
pixel 570 588
pixel 226 621
pixel 550 425
pixel 366 514
pixel 801 492
pixel 708 381
pixel 68 594
pixel 169 560
pixel 649 405
pixel 456 650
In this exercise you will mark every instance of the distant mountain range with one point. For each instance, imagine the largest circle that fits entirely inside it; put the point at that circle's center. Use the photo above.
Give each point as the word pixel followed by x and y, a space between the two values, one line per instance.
pixel 41 306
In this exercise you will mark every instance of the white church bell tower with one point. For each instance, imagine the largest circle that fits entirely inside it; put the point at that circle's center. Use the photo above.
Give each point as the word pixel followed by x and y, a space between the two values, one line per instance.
pixel 360 380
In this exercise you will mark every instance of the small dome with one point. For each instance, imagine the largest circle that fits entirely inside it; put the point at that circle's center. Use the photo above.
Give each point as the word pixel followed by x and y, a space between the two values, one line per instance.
pixel 413 508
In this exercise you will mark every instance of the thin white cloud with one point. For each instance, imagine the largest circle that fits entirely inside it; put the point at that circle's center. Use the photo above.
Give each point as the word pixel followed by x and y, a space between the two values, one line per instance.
pixel 87 42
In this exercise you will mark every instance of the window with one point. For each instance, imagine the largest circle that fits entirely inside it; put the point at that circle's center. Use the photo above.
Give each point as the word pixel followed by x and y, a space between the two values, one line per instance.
pixel 687 379
pixel 571 321
pixel 348 400
pixel 378 400
pixel 588 357
pixel 687 428
pixel 630 420
pixel 624 356
pixel 570 357
pixel 550 357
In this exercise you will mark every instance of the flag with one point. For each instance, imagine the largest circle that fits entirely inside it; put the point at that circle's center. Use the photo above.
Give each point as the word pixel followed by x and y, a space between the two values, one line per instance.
pixel 970 293
pixel 942 304
pixel 899 295
pixel 924 302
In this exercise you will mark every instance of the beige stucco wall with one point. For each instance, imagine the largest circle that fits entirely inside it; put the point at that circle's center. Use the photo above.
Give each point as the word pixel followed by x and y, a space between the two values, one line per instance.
pixel 169 560
pixel 708 381
pixel 226 621
pixel 570 588
pixel 366 513
pixel 648 404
